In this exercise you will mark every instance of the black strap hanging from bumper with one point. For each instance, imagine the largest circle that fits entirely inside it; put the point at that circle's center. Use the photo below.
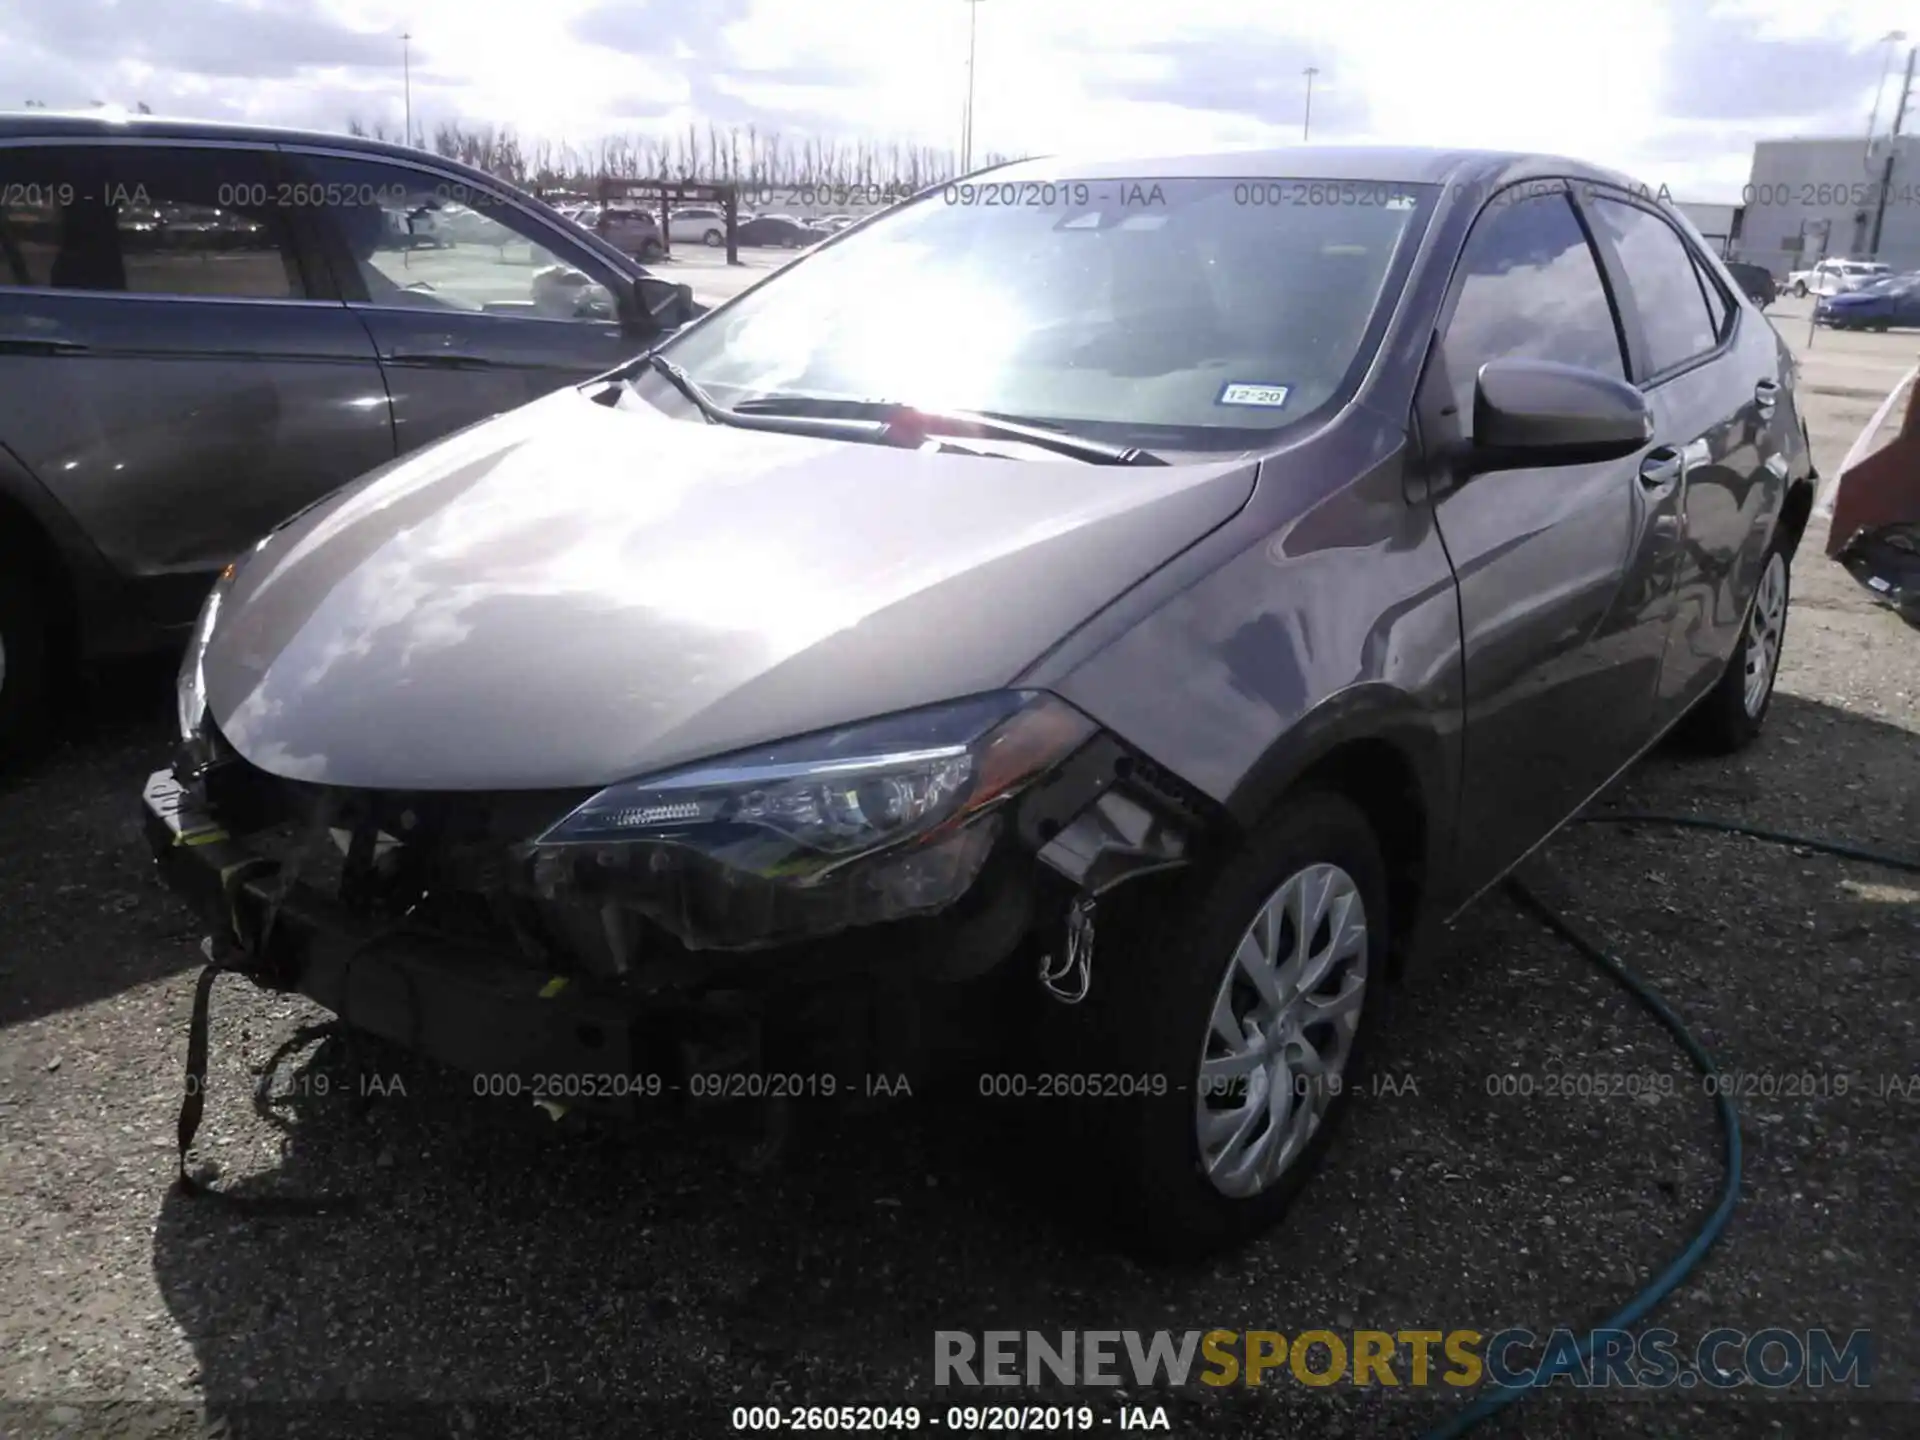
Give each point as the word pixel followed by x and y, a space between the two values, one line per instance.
pixel 193 1107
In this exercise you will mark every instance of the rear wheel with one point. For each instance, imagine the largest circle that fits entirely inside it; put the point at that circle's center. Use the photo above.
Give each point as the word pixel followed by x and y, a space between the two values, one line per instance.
pixel 1800 289
pixel 1729 717
pixel 713 237
pixel 1227 1038
pixel 24 683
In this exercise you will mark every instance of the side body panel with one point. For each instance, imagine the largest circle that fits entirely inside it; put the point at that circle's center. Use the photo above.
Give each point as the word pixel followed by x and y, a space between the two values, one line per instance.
pixel 1565 571
pixel 1730 415
pixel 176 428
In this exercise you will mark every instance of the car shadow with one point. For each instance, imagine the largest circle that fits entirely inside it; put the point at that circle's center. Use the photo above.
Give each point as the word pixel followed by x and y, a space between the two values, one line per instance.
pixel 84 916
pixel 501 1258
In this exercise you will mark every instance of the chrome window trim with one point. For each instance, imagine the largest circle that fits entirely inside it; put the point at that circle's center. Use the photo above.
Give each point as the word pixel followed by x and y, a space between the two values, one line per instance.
pixel 162 142
pixel 167 296
pixel 417 312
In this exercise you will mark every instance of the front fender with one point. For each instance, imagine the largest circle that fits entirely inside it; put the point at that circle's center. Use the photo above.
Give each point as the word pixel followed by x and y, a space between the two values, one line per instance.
pixel 1355 720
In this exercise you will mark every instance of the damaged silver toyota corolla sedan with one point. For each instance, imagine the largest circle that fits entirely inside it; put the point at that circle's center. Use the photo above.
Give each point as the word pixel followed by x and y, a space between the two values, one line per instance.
pixel 1118 607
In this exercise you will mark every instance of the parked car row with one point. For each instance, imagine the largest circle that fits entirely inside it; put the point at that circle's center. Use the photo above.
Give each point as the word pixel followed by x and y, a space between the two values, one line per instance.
pixel 1880 304
pixel 636 230
pixel 1857 293
pixel 1834 277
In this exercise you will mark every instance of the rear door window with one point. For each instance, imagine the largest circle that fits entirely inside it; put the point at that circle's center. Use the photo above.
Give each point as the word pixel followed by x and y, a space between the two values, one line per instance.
pixel 1662 283
pixel 148 220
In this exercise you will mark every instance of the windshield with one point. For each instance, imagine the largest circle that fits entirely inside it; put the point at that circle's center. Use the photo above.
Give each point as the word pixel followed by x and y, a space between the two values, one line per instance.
pixel 1888 285
pixel 1158 312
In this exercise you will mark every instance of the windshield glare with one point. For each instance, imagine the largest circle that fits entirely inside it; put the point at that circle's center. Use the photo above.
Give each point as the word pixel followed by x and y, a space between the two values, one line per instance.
pixel 1180 311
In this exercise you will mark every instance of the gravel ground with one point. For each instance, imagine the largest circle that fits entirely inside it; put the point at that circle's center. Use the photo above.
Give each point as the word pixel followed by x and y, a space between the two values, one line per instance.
pixel 503 1261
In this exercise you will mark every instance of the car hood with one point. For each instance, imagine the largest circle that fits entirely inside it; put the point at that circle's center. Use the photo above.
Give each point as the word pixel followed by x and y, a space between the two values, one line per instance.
pixel 573 594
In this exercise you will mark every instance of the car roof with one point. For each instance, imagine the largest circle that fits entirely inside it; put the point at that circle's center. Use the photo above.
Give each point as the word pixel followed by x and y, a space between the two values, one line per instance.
pixel 1387 164
pixel 107 124
pixel 114 124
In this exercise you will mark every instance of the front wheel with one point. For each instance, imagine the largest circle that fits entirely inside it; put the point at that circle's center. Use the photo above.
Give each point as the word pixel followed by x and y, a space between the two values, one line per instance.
pixel 713 238
pixel 1248 1005
pixel 1729 717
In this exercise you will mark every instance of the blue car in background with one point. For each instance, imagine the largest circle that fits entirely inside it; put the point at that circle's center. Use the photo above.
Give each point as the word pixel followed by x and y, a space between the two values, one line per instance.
pixel 1877 305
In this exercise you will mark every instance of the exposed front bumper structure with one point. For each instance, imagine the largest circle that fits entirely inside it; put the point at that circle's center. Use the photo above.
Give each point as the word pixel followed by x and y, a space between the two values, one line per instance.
pixel 463 1006
pixel 455 981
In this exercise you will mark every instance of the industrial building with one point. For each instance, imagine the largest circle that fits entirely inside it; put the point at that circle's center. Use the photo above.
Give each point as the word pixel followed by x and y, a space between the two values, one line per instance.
pixel 1811 198
pixel 1719 225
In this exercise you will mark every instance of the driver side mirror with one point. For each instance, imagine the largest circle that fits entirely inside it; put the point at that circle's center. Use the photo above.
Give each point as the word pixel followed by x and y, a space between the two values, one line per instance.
pixel 1538 413
pixel 654 306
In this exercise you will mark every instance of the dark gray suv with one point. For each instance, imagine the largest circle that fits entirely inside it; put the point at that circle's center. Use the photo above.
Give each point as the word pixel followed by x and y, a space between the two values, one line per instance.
pixel 204 328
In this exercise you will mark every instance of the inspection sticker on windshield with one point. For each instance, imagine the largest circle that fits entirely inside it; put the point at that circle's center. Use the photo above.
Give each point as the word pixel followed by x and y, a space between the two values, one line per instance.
pixel 1246 392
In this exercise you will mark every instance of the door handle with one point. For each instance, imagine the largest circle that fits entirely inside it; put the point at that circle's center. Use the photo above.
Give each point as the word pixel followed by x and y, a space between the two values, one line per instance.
pixel 39 345
pixel 1766 395
pixel 440 359
pixel 1662 467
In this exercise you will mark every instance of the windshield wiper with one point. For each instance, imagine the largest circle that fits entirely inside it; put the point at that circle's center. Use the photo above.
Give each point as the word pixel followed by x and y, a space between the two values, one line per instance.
pixel 894 415
pixel 850 428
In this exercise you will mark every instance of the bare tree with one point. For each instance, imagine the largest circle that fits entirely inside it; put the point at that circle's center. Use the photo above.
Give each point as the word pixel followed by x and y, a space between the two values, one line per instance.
pixel 755 159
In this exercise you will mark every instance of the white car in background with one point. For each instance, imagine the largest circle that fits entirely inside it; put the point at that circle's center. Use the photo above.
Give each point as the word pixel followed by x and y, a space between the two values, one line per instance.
pixel 698 225
pixel 1835 277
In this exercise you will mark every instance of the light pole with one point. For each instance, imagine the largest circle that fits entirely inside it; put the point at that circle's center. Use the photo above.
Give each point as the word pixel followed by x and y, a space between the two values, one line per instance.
pixel 966 133
pixel 1306 121
pixel 406 71
pixel 1893 153
pixel 1888 40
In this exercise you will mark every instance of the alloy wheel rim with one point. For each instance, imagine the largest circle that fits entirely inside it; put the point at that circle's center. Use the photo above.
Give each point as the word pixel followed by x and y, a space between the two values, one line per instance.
pixel 1764 629
pixel 1281 1030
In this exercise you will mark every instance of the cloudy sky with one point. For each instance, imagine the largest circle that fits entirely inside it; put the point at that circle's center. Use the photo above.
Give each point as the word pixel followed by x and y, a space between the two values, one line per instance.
pixel 1672 91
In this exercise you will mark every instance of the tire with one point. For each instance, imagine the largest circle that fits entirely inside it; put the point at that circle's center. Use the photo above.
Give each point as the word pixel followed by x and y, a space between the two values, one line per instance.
pixel 713 238
pixel 1149 1014
pixel 1800 289
pixel 24 682
pixel 1730 716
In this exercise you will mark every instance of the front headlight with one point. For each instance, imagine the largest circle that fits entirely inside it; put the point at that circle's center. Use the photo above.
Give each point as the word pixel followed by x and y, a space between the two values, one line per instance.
pixel 873 822
pixel 190 690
